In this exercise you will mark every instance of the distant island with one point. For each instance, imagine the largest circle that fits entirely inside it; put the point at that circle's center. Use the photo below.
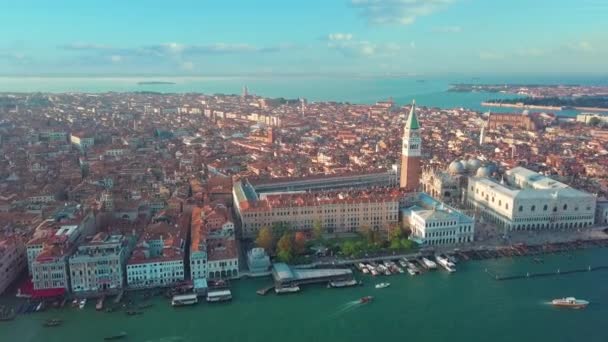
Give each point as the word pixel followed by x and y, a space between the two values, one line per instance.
pixel 154 82
pixel 554 103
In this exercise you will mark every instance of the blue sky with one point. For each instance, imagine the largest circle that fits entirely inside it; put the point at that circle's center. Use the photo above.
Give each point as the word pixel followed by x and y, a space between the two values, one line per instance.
pixel 362 37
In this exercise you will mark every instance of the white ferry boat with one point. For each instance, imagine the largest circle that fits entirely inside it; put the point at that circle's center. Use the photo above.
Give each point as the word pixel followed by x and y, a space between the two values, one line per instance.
pixel 183 300
pixel 287 289
pixel 219 296
pixel 431 265
pixel 570 302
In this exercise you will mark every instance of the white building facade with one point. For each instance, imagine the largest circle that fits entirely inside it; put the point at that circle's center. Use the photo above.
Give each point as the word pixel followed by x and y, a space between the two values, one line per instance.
pixel 526 200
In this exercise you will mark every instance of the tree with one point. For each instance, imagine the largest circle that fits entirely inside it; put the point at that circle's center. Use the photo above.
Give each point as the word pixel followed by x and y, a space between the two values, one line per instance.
pixel 369 234
pixel 317 230
pixel 285 247
pixel 594 121
pixel 299 243
pixel 265 239
pixel 348 248
pixel 395 233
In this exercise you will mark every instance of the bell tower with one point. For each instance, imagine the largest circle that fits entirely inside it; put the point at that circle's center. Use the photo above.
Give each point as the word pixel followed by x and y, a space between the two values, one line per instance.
pixel 411 149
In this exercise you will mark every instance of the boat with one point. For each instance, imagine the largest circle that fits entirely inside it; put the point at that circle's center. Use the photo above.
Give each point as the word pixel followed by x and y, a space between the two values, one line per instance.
pixel 219 296
pixel 431 265
pixel 366 299
pixel 382 285
pixel 134 312
pixel 40 306
pixel 411 272
pixel 82 303
pixel 343 283
pixel 50 323
pixel 570 302
pixel 183 300
pixel 7 314
pixel 365 271
pixel 287 289
pixel 445 263
pixel 145 306
pixel 452 258
pixel 75 303
pixel 99 305
pixel 403 263
pixel 116 337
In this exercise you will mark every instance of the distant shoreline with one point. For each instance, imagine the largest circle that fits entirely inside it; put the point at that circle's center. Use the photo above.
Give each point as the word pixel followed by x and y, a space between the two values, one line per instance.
pixel 525 106
pixel 154 83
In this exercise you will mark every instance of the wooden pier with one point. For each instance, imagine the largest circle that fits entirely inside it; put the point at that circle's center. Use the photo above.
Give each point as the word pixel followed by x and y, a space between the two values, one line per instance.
pixel 545 274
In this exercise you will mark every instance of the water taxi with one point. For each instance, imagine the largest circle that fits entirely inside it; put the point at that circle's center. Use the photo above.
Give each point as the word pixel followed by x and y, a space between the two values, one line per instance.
pixel 183 300
pixel 382 285
pixel 366 299
pixel 99 305
pixel 570 302
pixel 82 303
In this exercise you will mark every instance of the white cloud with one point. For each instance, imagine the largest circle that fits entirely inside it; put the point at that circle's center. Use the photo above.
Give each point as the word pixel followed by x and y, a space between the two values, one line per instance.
pixel 447 29
pixel 582 46
pixel 398 12
pixel 349 46
pixel 187 65
pixel 490 55
pixel 339 36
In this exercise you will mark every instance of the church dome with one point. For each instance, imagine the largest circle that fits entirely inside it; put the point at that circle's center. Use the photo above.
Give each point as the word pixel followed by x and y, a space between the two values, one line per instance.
pixel 483 172
pixel 456 167
pixel 473 164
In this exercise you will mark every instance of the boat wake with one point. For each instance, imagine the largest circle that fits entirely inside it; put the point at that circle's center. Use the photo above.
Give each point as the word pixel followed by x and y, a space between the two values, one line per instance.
pixel 350 306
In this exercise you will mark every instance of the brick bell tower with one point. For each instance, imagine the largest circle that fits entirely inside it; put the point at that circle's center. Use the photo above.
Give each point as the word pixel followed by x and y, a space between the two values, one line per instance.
pixel 410 152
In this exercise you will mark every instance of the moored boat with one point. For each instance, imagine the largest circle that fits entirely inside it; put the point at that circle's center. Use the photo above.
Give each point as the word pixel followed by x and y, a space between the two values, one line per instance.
pixel 99 305
pixel 287 289
pixel 445 263
pixel 183 300
pixel 219 296
pixel 428 264
pixel 82 303
pixel 570 302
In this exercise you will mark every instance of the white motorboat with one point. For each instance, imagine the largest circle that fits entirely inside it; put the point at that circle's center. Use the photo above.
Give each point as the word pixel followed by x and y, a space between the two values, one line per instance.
pixel 382 285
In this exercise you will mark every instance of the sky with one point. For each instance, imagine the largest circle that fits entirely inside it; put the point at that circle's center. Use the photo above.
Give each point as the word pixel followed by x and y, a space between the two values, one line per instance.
pixel 312 37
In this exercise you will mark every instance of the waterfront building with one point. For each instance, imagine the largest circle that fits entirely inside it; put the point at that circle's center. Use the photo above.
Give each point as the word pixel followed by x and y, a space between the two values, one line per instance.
pixel 526 200
pixel 587 117
pixel 158 258
pixel 411 150
pixel 338 211
pixel 13 260
pixel 50 267
pixel 601 213
pixel 213 250
pixel 432 222
pixel 98 264
pixel 258 260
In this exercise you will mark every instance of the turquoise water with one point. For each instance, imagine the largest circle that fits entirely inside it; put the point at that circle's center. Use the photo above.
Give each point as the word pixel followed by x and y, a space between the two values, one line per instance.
pixel 431 92
pixel 465 306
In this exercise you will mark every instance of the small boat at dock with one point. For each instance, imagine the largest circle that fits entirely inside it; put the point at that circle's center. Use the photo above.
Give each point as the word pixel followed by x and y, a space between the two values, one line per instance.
pixel 118 336
pixel 82 303
pixel 99 305
pixel 431 265
pixel 443 261
pixel 183 300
